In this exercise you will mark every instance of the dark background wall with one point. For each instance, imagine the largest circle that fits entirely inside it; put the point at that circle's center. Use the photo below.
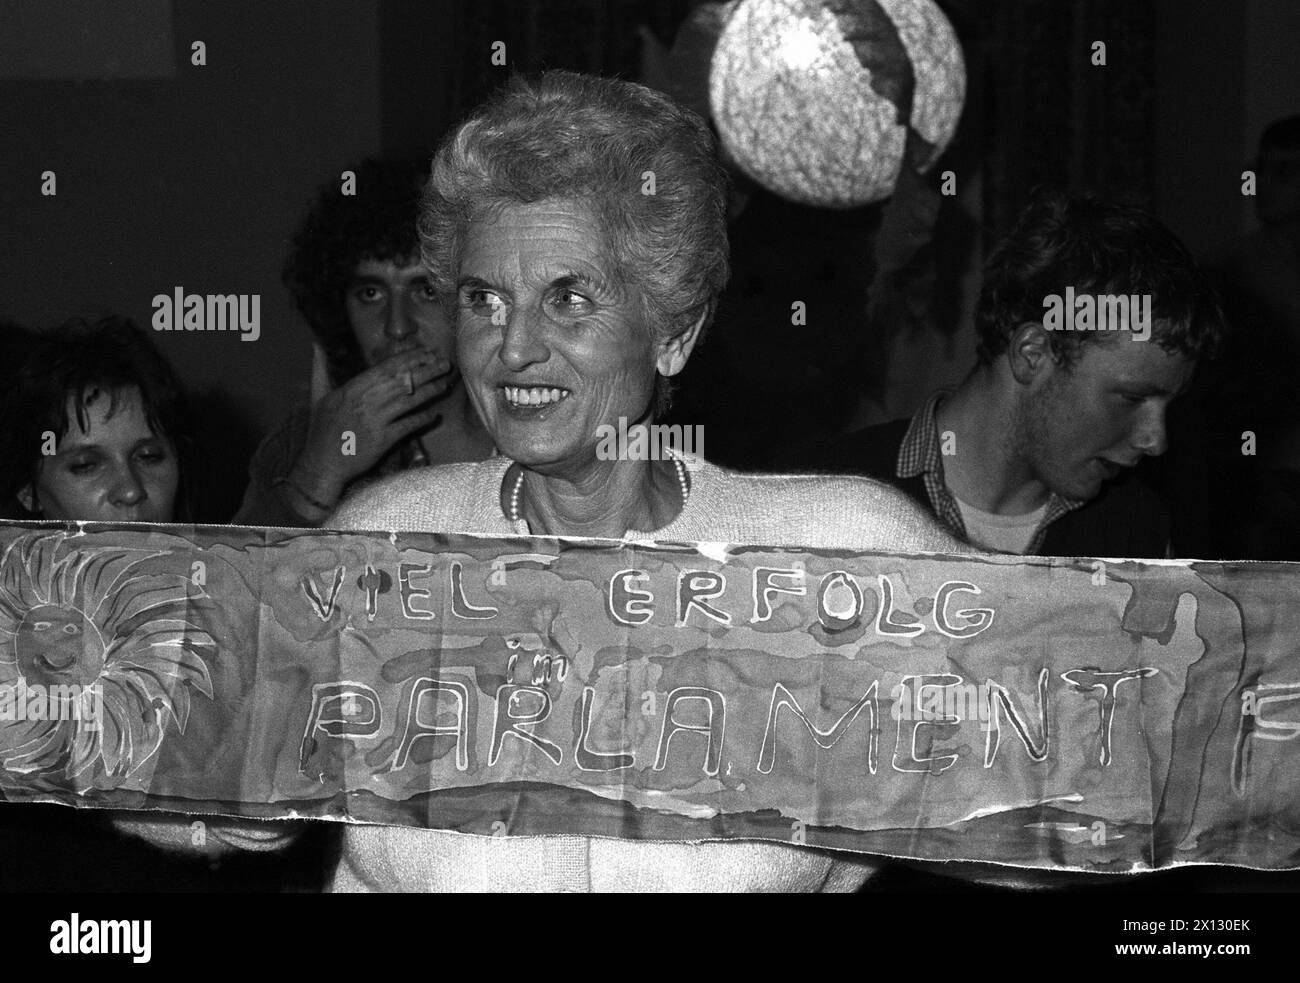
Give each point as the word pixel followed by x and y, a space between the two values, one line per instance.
pixel 1200 72
pixel 1223 71
pixel 194 179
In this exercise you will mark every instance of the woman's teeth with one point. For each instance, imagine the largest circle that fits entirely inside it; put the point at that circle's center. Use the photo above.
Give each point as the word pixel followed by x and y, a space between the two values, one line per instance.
pixel 517 396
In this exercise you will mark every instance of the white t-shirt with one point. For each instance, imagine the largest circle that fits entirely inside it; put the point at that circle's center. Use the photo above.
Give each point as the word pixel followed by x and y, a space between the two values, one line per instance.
pixel 1004 533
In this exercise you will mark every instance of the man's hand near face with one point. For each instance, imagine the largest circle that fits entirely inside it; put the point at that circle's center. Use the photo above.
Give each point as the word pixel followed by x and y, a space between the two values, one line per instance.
pixel 382 407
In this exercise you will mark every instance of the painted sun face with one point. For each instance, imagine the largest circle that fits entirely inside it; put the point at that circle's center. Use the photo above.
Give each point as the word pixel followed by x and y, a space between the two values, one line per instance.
pixel 108 624
pixel 55 644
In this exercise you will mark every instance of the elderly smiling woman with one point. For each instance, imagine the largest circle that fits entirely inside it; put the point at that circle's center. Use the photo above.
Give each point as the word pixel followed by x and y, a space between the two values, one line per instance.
pixel 579 225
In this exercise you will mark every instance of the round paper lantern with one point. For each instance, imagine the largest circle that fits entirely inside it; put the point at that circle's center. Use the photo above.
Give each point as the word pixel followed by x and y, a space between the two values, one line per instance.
pixel 823 101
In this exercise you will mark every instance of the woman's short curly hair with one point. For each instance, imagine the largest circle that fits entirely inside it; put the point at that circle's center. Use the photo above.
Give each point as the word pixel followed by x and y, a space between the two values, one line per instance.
pixel 82 361
pixel 341 230
pixel 645 166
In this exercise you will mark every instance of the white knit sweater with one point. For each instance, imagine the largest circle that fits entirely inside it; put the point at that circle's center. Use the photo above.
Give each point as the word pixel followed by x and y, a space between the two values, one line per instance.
pixel 723 506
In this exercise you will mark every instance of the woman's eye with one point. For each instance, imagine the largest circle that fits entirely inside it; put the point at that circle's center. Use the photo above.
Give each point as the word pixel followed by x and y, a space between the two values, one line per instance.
pixel 367 294
pixel 83 466
pixel 571 300
pixel 483 302
pixel 427 293
pixel 152 456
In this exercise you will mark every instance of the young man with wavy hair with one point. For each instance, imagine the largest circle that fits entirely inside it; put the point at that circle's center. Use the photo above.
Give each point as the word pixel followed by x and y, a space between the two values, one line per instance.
pixel 1091 319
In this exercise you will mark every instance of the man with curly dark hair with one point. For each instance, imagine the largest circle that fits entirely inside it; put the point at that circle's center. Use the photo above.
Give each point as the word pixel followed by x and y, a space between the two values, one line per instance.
pixel 394 399
pixel 1091 319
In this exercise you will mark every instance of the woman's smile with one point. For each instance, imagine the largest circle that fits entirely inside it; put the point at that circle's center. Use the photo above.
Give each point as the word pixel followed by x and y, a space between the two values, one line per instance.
pixel 533 398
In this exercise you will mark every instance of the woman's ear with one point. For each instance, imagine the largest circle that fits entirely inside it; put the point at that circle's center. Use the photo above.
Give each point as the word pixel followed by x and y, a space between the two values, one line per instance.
pixel 676 351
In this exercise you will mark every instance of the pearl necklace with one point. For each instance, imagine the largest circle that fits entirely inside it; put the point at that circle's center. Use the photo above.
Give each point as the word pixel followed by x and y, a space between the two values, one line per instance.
pixel 683 482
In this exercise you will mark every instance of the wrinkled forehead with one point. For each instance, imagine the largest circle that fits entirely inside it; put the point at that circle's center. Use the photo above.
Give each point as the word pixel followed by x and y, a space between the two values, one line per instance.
pixel 538 241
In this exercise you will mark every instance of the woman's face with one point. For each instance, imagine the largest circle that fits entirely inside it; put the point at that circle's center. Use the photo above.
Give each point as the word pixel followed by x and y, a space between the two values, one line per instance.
pixel 550 341
pixel 115 470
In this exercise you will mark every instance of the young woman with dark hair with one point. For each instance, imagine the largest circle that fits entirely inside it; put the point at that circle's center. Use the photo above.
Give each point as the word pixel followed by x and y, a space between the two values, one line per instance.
pixel 97 429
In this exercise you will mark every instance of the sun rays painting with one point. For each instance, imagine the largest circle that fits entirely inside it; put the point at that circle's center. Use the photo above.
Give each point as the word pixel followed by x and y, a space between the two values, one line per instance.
pixel 102 641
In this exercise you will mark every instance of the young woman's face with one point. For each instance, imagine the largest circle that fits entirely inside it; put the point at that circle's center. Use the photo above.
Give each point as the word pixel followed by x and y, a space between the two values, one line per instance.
pixel 115 470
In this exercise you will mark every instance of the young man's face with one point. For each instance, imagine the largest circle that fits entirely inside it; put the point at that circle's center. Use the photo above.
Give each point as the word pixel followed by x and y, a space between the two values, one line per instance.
pixel 392 308
pixel 1077 428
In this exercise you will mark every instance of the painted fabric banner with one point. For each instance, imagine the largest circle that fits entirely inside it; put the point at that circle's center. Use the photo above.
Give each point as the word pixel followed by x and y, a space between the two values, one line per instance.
pixel 1046 713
